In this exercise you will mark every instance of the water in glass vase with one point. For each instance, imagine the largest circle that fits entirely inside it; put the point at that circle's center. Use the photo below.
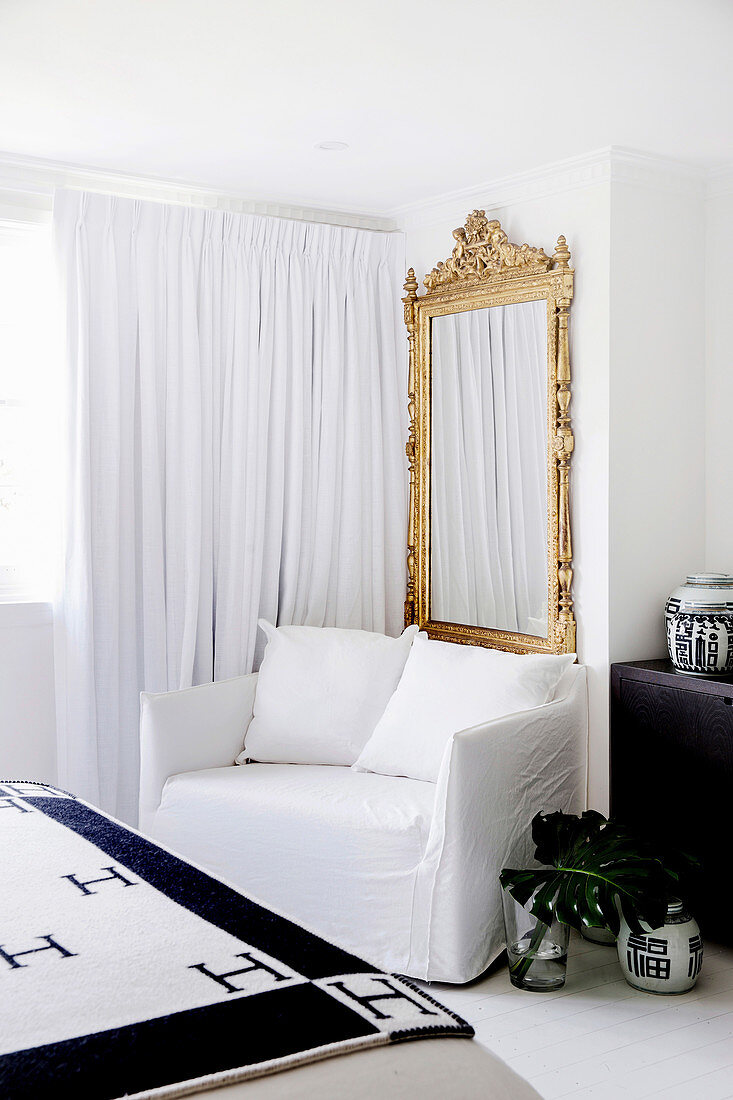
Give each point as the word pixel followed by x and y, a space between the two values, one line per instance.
pixel 537 967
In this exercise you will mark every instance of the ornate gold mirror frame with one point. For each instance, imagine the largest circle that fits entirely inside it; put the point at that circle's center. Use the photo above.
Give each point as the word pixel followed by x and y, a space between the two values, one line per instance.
pixel 486 269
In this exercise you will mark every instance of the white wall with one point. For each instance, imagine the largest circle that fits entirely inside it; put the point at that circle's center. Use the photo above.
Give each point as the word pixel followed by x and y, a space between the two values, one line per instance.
pixel 657 439
pixel 719 377
pixel 27 709
pixel 581 212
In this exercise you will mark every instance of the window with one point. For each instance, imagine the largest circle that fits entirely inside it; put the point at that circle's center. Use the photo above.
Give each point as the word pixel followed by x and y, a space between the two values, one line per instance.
pixel 29 415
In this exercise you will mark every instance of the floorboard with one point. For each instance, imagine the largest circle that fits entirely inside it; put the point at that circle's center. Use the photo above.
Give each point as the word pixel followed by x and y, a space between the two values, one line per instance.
pixel 597 1038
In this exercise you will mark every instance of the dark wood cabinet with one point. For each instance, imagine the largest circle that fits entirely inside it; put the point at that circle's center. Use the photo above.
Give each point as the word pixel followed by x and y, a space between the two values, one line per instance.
pixel 672 774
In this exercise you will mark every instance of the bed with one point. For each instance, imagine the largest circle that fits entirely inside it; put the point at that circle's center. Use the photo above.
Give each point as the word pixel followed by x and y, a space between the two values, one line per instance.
pixel 128 971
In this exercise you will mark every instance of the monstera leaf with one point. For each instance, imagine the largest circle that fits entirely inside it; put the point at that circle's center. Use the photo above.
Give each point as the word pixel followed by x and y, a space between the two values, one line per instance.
pixel 597 868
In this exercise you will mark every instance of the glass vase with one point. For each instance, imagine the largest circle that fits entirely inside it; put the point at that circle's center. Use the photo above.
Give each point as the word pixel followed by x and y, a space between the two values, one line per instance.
pixel 537 953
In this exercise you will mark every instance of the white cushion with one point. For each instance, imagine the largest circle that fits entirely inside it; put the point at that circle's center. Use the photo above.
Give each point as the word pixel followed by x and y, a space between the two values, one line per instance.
pixel 336 849
pixel 321 692
pixel 446 688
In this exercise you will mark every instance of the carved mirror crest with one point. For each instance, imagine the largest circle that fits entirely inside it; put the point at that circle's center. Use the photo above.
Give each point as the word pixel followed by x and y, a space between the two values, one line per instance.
pixel 489 554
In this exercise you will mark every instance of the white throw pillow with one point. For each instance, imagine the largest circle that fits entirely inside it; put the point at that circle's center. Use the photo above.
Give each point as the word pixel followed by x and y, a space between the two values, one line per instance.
pixel 448 687
pixel 321 691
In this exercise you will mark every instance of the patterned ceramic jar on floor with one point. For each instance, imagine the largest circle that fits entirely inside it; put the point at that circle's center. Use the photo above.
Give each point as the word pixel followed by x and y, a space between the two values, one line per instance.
pixel 665 960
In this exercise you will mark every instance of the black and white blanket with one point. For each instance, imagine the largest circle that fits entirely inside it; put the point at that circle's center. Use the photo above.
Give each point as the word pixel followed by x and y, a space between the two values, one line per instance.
pixel 126 971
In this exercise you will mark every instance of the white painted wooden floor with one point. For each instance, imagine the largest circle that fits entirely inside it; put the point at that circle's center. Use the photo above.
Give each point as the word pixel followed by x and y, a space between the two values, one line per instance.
pixel 599 1038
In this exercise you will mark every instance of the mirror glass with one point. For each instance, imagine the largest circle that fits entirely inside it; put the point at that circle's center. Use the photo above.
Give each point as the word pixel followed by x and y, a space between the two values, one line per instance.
pixel 489 488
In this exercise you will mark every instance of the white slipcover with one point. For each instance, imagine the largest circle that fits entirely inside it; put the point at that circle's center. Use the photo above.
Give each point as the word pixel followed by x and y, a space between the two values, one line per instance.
pixel 402 872
pixel 320 843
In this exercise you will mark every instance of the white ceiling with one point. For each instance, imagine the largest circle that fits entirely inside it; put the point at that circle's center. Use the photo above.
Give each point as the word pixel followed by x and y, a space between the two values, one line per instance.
pixel 431 95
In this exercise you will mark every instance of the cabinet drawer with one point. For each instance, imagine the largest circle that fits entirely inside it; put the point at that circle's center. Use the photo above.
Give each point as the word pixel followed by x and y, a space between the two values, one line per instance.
pixel 693 722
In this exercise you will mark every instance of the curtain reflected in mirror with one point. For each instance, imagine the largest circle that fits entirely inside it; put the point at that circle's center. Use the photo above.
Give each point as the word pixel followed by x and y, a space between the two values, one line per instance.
pixel 489 467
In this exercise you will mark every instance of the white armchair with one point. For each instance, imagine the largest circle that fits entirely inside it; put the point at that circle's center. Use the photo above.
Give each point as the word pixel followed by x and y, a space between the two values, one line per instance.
pixel 403 873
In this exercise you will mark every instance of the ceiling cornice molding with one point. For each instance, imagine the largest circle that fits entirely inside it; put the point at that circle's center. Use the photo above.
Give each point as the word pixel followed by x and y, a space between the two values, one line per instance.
pixel 639 169
pixel 613 164
pixel 566 175
pixel 27 185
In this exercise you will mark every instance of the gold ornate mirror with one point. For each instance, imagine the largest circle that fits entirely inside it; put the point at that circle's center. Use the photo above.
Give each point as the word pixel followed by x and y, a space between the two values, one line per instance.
pixel 489 551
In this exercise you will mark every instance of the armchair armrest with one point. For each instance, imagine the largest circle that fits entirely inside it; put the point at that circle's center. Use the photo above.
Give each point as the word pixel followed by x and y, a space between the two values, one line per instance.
pixel 183 731
pixel 493 780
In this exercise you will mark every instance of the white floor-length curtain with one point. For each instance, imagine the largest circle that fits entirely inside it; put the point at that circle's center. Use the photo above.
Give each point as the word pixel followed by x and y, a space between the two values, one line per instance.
pixel 236 425
pixel 489 468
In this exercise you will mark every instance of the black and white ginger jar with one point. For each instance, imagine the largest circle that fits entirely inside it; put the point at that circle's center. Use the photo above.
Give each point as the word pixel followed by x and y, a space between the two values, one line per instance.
pixel 699 622
pixel 665 960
